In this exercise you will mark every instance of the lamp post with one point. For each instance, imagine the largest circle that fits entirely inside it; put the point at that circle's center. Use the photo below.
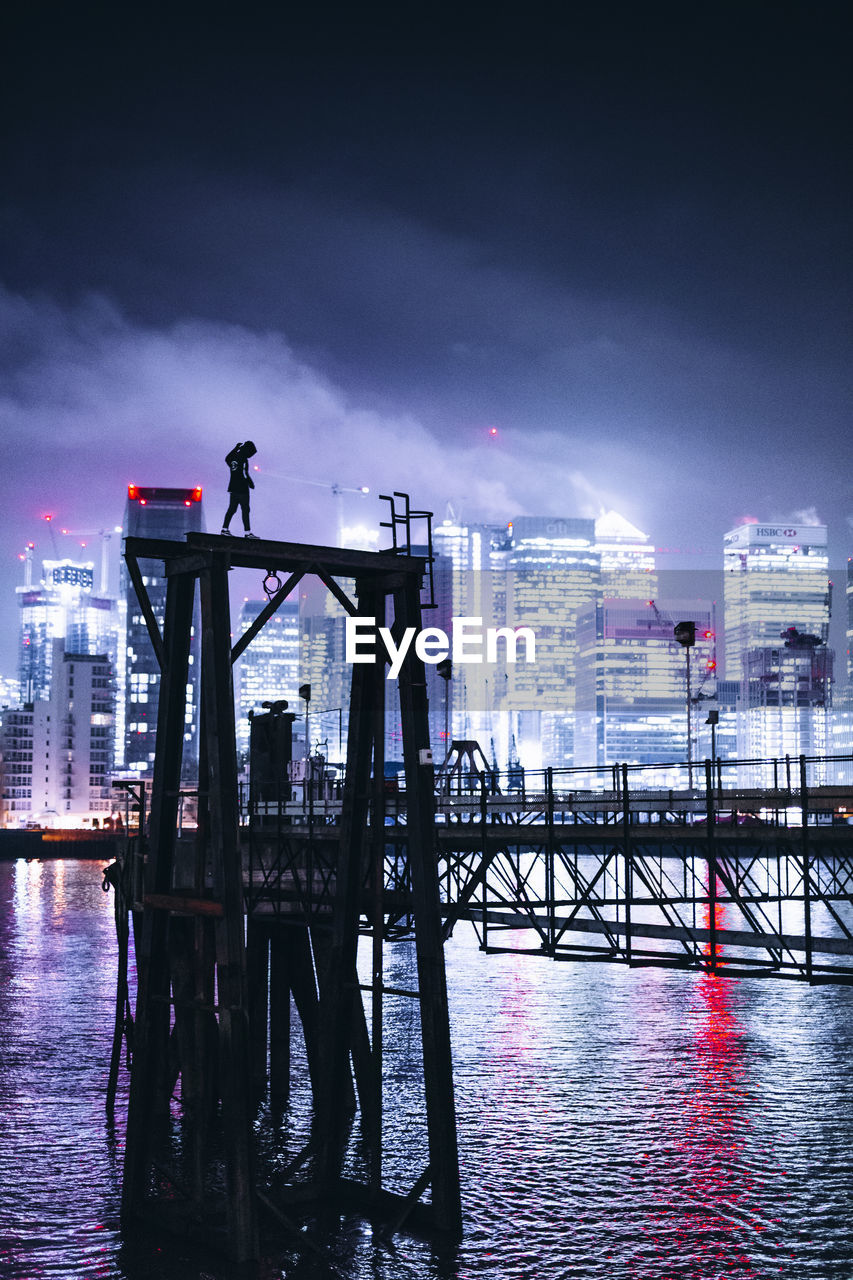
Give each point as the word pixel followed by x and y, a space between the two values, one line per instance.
pixel 305 693
pixel 685 634
pixel 713 720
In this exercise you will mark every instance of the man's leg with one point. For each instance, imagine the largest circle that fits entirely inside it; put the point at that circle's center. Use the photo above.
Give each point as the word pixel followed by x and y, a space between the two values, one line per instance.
pixel 244 510
pixel 232 508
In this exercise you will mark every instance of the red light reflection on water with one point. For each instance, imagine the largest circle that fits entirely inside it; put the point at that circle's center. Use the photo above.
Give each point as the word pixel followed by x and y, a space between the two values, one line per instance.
pixel 720 1190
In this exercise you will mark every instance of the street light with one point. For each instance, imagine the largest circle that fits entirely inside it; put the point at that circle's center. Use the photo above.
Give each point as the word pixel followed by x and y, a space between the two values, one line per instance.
pixel 713 720
pixel 304 692
pixel 685 634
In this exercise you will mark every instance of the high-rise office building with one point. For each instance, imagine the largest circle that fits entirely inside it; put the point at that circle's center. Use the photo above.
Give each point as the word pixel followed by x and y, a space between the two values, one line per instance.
pixel 631 698
pixel 57 752
pixel 535 572
pixel 776 577
pixel 323 666
pixel 470 582
pixel 167 514
pixel 626 557
pixel 777 612
pixel 553 571
pixel 63 605
pixel 268 670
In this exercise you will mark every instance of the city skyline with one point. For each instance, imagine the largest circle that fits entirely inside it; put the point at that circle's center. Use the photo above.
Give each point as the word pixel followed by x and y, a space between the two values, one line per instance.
pixel 700 575
pixel 603 679
pixel 619 242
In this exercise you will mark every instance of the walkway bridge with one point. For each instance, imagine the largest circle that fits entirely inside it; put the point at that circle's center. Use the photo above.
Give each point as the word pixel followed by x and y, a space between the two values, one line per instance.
pixel 730 878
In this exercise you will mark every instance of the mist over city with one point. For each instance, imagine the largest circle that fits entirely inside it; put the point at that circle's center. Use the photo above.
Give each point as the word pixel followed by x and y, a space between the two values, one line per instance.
pixel 622 243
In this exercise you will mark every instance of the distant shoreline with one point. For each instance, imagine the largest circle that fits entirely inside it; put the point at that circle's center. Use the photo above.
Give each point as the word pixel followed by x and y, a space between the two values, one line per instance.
pixel 57 844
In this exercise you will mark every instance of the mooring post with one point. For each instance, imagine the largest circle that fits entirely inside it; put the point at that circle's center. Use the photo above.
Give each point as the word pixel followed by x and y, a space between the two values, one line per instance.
pixel 338 990
pixel 627 853
pixel 807 883
pixel 377 858
pixel 257 975
pixel 280 1015
pixel 710 823
pixel 550 853
pixel 227 874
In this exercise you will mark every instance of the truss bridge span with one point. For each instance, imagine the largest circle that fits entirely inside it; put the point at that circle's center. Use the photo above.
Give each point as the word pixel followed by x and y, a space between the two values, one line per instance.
pixel 691 879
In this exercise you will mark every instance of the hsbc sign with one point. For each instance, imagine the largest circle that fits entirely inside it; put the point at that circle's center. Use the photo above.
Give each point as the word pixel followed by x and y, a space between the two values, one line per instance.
pixel 750 535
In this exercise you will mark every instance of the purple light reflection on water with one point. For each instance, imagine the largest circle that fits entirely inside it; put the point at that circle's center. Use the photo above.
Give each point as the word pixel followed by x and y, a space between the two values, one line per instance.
pixel 645 1124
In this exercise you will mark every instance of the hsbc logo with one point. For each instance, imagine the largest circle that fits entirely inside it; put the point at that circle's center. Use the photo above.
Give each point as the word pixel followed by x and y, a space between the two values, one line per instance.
pixel 777 533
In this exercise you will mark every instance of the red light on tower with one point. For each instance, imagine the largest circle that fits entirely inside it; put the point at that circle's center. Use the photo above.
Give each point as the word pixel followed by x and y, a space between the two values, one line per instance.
pixel 196 495
pixel 708 635
pixel 493 431
pixel 711 665
pixel 132 492
pixel 143 502
pixel 187 502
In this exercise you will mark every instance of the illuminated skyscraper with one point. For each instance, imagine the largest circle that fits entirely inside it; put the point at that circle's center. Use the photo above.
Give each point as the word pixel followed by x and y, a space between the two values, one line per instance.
pixel 167 514
pixel 62 606
pixel 631 699
pixel 777 610
pixel 535 572
pixel 776 577
pixel 553 571
pixel 57 752
pixel 471 582
pixel 626 556
pixel 269 669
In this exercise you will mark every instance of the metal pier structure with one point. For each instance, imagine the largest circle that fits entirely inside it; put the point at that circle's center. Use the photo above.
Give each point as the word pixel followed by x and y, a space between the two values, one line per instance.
pixel 214 987
pixel 260 908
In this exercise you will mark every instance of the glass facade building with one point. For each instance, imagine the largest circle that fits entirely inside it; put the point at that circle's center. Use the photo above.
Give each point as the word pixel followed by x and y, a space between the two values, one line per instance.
pixel 777 613
pixel 631 698
pixel 269 669
pixel 62 606
pixel 168 514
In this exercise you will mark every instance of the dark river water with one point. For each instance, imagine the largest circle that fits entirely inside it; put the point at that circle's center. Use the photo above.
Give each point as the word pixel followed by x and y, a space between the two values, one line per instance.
pixel 612 1123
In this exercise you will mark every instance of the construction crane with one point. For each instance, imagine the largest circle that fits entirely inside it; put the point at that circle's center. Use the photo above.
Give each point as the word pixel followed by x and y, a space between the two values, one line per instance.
pixel 337 491
pixel 105 535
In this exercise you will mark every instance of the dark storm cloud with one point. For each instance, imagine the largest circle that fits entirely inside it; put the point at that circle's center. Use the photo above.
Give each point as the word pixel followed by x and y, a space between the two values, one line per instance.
pixel 623 239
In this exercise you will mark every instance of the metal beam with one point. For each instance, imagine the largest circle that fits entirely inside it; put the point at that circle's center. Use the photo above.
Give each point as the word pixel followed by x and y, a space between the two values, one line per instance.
pixel 145 605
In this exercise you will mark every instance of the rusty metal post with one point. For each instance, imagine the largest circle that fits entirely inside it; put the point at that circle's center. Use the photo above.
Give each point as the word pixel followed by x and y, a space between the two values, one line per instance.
pixel 432 981
pixel 338 989
pixel 226 860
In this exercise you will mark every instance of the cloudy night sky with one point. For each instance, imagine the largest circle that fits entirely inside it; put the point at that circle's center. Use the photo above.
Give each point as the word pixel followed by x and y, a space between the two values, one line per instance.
pixel 363 236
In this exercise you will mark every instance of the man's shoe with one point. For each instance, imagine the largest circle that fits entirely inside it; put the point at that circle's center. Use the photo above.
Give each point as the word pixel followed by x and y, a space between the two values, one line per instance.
pixel 251 535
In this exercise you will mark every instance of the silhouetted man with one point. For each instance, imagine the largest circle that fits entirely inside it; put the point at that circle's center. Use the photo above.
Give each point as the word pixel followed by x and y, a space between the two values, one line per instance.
pixel 239 484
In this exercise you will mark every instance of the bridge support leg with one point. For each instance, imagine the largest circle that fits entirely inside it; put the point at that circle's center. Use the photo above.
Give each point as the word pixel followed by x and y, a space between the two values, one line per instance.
pixel 432 983
pixel 149 1092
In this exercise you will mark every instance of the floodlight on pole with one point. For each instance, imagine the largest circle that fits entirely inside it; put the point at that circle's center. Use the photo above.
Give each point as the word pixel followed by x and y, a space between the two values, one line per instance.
pixel 685 634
